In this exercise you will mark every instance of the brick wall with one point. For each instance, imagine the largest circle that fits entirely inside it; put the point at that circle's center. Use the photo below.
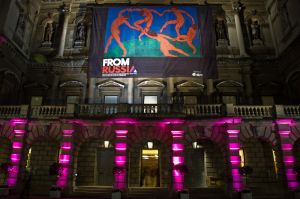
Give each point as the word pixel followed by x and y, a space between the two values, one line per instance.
pixel 5 151
pixel 43 154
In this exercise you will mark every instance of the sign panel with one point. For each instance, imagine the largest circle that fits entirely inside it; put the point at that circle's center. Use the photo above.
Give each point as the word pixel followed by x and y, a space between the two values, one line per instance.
pixel 152 41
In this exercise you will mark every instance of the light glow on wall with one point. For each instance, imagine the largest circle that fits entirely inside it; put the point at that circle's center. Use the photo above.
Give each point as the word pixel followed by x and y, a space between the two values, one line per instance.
pixel 68 132
pixel 177 160
pixel 121 146
pixel 177 147
pixel 120 160
pixel 234 146
pixel 177 134
pixel 66 145
pixel 121 133
pixel 17 145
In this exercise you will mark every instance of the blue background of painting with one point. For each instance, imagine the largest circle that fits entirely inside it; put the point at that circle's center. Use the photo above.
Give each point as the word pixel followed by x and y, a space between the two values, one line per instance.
pixel 127 33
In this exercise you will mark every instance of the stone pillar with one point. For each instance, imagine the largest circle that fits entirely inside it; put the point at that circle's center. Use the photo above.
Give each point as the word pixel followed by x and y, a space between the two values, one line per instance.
pixel 65 158
pixel 19 132
pixel 210 90
pixel 120 170
pixel 284 131
pixel 130 90
pixel 170 89
pixel 53 90
pixel 91 91
pixel 238 8
pixel 83 96
pixel 233 131
pixel 246 73
pixel 66 11
pixel 178 157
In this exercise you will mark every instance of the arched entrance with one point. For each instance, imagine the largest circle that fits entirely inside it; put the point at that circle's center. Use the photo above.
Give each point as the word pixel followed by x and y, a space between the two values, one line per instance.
pixel 95 162
pixel 149 165
pixel 5 151
pixel 206 164
pixel 40 156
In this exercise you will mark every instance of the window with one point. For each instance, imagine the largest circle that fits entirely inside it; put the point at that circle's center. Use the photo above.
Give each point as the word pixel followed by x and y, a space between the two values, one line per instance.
pixel 267 100
pixel 72 99
pixel 150 99
pixel 110 99
pixel 36 100
pixel 242 155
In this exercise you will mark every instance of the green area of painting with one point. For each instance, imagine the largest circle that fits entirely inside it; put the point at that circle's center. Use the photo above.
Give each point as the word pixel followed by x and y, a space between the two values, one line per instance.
pixel 148 48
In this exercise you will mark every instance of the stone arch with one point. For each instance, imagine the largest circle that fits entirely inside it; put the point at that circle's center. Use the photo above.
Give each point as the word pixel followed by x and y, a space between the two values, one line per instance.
pixel 87 140
pixel 206 155
pixel 7 130
pixel 5 151
pixel 262 153
pixel 50 131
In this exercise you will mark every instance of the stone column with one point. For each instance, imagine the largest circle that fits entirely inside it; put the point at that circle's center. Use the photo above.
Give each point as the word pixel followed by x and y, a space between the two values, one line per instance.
pixel 246 74
pixel 233 131
pixel 83 96
pixel 178 157
pixel 54 86
pixel 65 158
pixel 66 11
pixel 91 91
pixel 284 131
pixel 170 89
pixel 120 170
pixel 19 132
pixel 130 90
pixel 210 90
pixel 238 8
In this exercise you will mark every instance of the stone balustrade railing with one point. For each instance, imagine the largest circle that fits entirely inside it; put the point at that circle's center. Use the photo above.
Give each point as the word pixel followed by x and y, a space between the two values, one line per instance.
pixel 155 110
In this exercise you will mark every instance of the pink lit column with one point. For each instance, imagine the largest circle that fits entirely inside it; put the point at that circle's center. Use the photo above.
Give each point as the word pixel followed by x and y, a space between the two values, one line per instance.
pixel 17 145
pixel 177 158
pixel 284 130
pixel 120 158
pixel 65 157
pixel 233 131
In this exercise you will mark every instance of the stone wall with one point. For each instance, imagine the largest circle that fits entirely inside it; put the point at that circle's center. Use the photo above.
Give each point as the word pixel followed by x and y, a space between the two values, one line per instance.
pixel 5 151
pixel 43 155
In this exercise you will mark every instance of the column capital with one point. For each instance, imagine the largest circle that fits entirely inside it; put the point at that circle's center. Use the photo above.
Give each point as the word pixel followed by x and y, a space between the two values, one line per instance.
pixel 65 9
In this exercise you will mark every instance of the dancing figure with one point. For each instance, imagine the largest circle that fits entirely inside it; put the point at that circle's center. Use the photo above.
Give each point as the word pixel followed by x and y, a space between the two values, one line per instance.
pixel 165 45
pixel 189 37
pixel 147 13
pixel 179 21
pixel 115 31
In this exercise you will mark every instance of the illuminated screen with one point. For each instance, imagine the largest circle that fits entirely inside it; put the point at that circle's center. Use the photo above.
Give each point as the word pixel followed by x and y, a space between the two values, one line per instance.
pixel 156 41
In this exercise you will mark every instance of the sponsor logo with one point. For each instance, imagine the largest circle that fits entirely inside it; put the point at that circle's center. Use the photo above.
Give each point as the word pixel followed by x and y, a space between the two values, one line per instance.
pixel 117 67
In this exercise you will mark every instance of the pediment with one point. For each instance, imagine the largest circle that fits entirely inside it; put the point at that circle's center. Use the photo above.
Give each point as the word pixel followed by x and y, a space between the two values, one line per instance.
pixel 71 83
pixel 151 83
pixel 35 85
pixel 110 83
pixel 190 84
pixel 229 83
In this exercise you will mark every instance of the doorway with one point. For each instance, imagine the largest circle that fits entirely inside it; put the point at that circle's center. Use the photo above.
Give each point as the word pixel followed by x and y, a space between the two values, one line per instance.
pixel 150 175
pixel 104 166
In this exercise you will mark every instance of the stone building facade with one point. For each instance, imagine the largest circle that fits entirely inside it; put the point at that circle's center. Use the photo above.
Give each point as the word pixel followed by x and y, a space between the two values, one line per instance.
pixel 51 111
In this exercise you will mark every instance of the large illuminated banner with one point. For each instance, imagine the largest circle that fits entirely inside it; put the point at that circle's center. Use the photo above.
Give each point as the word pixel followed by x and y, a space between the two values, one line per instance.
pixel 155 41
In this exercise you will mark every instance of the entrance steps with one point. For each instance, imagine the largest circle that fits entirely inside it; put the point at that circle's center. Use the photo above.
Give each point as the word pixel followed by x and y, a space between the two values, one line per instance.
pixel 207 193
pixel 147 193
pixel 92 191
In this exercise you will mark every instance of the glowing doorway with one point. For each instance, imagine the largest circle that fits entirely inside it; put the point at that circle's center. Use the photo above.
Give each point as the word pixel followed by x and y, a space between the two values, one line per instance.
pixel 150 168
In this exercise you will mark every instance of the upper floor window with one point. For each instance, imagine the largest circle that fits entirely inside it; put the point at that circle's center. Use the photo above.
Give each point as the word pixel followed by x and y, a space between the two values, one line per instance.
pixel 190 99
pixel 73 99
pixel 36 100
pixel 110 99
pixel 150 99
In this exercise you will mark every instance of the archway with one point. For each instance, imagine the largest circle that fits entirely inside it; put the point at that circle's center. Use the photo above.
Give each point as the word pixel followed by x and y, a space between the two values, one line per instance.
pixel 264 160
pixel 95 162
pixel 206 164
pixel 41 155
pixel 5 151
pixel 149 166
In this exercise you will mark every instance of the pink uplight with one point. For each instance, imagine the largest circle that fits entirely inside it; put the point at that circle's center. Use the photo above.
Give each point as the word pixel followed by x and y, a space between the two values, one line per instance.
pixel 66 145
pixel 288 159
pixel 293 185
pixel 177 134
pixel 19 132
pixel 120 146
pixel 120 160
pixel 177 147
pixel 291 177
pixel 68 132
pixel 17 145
pixel 287 147
pixel 18 121
pixel 11 182
pixel 284 121
pixel 121 133
pixel 235 160
pixel 233 131
pixel 178 160
pixel 234 146
pixel 237 186
pixel 15 158
pixel 64 158
pixel 229 121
